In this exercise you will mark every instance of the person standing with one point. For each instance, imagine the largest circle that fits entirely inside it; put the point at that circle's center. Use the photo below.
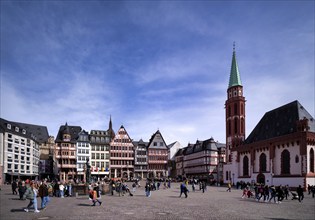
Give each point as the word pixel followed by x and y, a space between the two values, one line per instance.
pixel 61 190
pixel 300 193
pixel 22 189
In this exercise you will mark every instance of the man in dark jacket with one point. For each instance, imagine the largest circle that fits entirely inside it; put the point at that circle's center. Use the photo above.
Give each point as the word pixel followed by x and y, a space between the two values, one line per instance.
pixel 43 194
pixel 14 187
pixel 300 193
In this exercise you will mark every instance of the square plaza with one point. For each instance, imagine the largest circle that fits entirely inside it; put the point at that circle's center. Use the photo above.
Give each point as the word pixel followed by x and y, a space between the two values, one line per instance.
pixel 215 203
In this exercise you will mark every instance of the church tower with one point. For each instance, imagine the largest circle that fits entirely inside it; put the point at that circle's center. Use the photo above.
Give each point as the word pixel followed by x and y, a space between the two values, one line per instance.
pixel 234 111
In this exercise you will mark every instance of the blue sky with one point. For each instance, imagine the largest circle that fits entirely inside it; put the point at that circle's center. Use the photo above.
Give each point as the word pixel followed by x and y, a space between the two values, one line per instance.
pixel 152 64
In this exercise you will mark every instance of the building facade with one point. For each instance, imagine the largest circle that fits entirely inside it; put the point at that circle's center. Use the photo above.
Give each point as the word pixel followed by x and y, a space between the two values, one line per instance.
pixel 280 149
pixel 19 149
pixel 100 153
pixel 122 155
pixel 201 160
pixel 141 159
pixel 173 148
pixel 179 161
pixel 65 151
pixel 47 163
pixel 83 154
pixel 157 156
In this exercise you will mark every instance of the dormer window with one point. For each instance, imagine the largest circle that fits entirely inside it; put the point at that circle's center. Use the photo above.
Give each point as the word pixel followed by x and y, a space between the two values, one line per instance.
pixel 17 129
pixel 24 131
pixel 66 137
pixel 9 126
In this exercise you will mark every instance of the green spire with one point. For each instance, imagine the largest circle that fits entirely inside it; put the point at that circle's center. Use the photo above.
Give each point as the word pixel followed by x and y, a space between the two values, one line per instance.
pixel 235 78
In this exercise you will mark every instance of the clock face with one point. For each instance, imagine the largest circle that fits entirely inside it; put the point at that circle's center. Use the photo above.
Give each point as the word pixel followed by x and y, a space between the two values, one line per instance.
pixel 240 92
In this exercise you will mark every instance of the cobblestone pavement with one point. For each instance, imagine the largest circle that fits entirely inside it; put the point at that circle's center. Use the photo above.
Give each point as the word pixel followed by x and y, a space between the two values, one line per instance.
pixel 215 203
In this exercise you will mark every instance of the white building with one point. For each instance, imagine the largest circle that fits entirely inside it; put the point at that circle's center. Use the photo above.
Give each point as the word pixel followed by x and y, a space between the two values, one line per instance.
pixel 83 154
pixel 19 149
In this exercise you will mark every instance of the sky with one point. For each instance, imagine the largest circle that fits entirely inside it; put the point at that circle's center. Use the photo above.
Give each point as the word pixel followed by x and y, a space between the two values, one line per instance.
pixel 152 65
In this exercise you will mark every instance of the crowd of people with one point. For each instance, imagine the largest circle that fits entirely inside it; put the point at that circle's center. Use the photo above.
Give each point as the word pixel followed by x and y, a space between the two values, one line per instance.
pixel 31 190
pixel 275 194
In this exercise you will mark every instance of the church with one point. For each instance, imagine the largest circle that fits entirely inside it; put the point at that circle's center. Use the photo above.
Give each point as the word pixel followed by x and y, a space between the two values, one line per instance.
pixel 280 149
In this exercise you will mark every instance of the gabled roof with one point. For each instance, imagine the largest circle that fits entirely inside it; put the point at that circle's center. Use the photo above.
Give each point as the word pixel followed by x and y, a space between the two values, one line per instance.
pixel 140 142
pixel 180 152
pixel 208 144
pixel 153 138
pixel 280 121
pixel 72 130
pixel 235 77
pixel 37 133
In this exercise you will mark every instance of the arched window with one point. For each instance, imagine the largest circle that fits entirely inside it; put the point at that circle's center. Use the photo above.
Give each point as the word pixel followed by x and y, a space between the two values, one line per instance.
pixel 245 166
pixel 312 160
pixel 262 163
pixel 229 111
pixel 229 127
pixel 235 109
pixel 285 162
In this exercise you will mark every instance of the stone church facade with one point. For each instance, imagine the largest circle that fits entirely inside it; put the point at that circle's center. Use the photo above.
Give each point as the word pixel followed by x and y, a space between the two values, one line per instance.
pixel 280 149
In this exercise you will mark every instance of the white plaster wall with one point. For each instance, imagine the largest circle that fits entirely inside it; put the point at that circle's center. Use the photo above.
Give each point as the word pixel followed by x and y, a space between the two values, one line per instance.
pixel 232 168
pixel 240 170
pixel 292 182
pixel 295 168
pixel 311 181
pixel 257 156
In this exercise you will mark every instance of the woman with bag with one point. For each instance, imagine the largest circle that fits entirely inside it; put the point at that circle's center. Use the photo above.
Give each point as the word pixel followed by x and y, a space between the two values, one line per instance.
pixel 31 194
pixel 93 195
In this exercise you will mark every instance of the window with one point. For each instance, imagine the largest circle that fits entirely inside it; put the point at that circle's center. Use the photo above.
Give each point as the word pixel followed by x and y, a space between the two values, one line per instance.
pixel 9 126
pixel 296 159
pixel 245 166
pixel 235 126
pixel 17 129
pixel 312 160
pixel 285 162
pixel 262 163
pixel 235 109
pixel 155 144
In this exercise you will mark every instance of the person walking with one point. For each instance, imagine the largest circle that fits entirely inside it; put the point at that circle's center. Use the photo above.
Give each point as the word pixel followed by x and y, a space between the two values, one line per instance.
pixel 94 195
pixel 148 189
pixel 229 186
pixel 183 189
pixel 31 194
pixel 43 194
pixel 300 193
pixel 14 186
pixel 273 194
